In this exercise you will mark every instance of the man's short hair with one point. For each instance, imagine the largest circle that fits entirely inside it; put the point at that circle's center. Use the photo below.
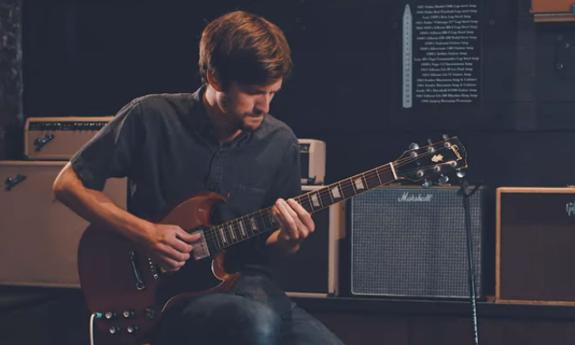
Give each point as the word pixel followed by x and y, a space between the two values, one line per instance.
pixel 244 48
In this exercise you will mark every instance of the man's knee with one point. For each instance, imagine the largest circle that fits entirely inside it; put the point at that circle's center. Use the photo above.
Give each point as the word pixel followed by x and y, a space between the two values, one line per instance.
pixel 224 318
pixel 264 323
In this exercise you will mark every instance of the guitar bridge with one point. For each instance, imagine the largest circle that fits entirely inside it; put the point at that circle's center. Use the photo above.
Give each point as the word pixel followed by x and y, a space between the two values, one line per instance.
pixel 200 248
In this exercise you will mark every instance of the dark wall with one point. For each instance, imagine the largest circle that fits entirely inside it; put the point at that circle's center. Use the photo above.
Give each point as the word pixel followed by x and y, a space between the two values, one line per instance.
pixel 90 58
pixel 11 87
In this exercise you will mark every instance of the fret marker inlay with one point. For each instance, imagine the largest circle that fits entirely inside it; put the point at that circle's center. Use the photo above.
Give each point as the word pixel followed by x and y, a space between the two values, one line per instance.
pixel 315 200
pixel 359 184
pixel 231 231
pixel 335 192
pixel 242 229
pixel 223 236
pixel 253 224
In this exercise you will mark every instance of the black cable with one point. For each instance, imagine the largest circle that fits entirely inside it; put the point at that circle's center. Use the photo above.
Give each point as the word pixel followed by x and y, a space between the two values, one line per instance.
pixel 470 266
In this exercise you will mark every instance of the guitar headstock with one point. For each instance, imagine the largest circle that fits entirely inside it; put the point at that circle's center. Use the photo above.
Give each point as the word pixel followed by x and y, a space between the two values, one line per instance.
pixel 432 163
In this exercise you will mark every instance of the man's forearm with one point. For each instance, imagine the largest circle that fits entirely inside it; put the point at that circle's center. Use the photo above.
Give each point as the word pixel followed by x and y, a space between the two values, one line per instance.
pixel 96 207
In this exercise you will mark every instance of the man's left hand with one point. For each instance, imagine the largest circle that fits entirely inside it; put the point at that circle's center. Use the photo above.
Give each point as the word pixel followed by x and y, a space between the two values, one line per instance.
pixel 295 221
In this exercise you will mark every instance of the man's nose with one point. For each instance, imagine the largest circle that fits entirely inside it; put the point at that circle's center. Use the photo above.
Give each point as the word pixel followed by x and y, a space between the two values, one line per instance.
pixel 262 105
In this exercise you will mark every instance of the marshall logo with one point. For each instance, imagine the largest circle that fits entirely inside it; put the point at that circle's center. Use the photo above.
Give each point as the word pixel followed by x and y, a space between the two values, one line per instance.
pixel 409 197
pixel 570 208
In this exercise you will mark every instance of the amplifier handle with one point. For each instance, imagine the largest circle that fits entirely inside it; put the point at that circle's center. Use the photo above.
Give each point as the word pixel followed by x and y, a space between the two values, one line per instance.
pixel 41 141
pixel 11 182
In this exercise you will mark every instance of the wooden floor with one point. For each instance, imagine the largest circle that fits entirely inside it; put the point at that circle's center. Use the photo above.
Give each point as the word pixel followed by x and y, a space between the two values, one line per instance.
pixel 31 316
pixel 376 321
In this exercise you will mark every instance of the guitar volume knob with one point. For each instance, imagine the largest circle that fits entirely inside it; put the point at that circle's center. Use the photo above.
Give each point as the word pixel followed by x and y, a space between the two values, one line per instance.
pixel 132 329
pixel 114 330
pixel 128 314
pixel 109 315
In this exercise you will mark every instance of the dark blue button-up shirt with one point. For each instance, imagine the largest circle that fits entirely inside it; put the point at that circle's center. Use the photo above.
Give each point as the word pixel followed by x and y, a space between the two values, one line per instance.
pixel 165 145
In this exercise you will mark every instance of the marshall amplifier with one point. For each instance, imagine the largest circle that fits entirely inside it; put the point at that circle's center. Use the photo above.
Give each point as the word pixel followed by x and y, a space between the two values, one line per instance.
pixel 313 270
pixel 535 235
pixel 312 153
pixel 40 236
pixel 58 138
pixel 411 242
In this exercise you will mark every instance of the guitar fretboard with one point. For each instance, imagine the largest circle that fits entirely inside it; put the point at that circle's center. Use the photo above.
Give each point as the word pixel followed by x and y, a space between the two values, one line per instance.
pixel 227 234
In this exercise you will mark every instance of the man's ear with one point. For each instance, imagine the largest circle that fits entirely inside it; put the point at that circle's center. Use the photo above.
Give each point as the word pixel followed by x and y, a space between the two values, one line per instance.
pixel 213 81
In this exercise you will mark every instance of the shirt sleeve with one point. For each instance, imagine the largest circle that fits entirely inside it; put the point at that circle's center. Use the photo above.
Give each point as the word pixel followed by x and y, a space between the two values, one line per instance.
pixel 111 152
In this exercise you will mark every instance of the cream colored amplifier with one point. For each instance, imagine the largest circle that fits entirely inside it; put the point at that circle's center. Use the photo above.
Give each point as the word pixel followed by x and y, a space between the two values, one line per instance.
pixel 312 156
pixel 40 236
pixel 58 138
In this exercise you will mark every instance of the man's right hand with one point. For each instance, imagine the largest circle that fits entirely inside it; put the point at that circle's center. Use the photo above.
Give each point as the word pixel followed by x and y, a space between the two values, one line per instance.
pixel 170 246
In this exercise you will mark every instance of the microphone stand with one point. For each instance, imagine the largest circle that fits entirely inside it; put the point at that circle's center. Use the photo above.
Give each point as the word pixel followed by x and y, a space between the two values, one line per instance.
pixel 470 266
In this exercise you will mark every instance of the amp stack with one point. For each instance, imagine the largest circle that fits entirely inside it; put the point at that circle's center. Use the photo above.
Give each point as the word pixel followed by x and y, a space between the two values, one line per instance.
pixel 313 270
pixel 31 218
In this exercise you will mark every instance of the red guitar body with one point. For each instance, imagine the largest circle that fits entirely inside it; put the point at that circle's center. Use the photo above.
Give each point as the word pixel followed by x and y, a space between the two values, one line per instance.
pixel 126 290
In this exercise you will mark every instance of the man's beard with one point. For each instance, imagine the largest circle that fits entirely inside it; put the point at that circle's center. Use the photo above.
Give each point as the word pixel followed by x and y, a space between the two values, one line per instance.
pixel 238 121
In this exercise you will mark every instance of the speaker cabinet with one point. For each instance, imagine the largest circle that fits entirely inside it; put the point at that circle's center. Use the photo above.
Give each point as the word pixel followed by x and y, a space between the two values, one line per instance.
pixel 313 270
pixel 535 236
pixel 40 235
pixel 411 242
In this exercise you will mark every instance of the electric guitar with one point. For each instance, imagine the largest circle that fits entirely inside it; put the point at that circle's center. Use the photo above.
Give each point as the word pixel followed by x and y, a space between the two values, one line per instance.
pixel 127 292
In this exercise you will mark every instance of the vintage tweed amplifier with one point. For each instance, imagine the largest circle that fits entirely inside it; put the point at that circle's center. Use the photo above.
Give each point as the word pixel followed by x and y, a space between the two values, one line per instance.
pixel 312 154
pixel 535 235
pixel 40 236
pixel 58 138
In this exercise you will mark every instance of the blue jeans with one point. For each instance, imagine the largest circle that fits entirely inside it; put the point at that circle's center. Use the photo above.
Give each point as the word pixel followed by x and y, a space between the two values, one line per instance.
pixel 256 312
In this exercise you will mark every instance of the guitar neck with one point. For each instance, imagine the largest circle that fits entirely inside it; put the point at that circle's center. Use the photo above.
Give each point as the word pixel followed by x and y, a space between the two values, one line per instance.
pixel 344 189
pixel 237 230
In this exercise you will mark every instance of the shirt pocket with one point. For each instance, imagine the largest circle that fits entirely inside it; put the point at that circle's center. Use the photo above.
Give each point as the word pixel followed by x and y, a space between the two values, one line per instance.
pixel 245 199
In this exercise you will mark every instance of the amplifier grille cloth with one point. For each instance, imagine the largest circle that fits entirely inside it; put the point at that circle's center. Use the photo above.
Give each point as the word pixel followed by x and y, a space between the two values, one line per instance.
pixel 413 248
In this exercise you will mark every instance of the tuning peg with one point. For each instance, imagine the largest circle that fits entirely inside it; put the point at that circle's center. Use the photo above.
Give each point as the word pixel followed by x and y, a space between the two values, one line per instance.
pixel 426 183
pixel 445 136
pixel 430 147
pixel 443 179
pixel 460 174
pixel 413 146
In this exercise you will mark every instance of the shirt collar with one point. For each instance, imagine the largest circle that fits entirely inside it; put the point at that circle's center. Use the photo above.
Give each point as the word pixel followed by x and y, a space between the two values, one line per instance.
pixel 203 127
